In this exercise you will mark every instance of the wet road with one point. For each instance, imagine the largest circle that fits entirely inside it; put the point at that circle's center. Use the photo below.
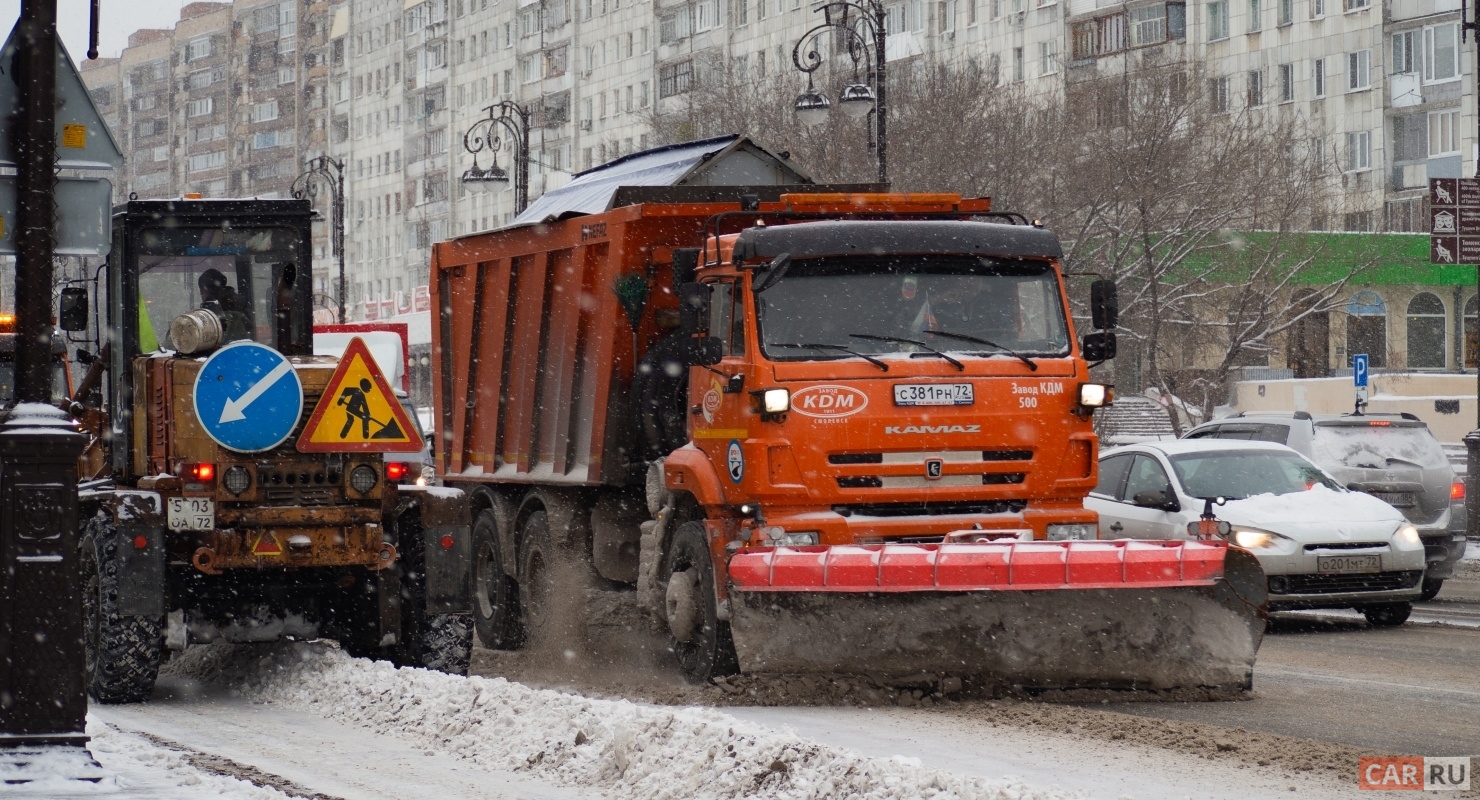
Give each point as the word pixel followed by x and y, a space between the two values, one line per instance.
pixel 1409 690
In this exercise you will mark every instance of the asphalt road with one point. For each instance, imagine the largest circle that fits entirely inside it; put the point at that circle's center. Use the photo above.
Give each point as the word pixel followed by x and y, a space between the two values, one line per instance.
pixel 1409 690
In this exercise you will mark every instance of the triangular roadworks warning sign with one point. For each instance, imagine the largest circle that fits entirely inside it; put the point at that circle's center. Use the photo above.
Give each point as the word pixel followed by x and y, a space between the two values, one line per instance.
pixel 358 412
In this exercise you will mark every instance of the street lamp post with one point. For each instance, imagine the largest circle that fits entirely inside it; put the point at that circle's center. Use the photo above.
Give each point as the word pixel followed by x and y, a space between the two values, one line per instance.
pixel 861 25
pixel 513 120
pixel 330 172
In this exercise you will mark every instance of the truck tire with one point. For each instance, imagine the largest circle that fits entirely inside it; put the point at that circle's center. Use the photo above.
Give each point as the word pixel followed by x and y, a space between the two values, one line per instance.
pixel 123 652
pixel 354 617
pixel 536 556
pixel 708 651
pixel 1387 615
pixel 1431 587
pixel 441 642
pixel 495 594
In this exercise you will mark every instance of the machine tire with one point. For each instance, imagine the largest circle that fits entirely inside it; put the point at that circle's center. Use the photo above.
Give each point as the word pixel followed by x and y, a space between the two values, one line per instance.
pixel 536 556
pixel 1431 587
pixel 354 618
pixel 123 652
pixel 441 642
pixel 710 652
pixel 495 594
pixel 1387 615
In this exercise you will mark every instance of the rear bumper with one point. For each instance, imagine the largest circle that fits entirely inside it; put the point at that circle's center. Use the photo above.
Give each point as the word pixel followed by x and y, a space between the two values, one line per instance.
pixel 1441 550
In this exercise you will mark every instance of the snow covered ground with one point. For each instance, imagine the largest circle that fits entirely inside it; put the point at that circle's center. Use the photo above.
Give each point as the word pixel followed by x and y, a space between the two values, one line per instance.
pixel 308 721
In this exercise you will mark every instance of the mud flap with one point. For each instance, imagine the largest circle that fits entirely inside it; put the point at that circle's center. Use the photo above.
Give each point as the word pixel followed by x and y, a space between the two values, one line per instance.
pixel 449 570
pixel 141 573
pixel 1174 625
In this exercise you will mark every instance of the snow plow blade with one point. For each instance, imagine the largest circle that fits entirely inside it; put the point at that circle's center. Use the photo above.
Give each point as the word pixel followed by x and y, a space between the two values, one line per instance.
pixel 1155 615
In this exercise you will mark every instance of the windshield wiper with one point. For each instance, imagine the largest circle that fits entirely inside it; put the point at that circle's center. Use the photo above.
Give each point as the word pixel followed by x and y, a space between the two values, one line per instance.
pixel 871 337
pixel 1390 460
pixel 974 340
pixel 823 346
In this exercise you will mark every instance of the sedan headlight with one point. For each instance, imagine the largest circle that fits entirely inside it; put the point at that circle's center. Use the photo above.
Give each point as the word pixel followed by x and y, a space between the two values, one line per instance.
pixel 1076 530
pixel 1407 534
pixel 1252 539
pixel 776 401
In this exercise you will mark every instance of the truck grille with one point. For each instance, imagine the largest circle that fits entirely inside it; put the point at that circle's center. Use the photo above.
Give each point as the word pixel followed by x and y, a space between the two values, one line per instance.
pixel 1332 584
pixel 931 509
pixel 1344 546
pixel 919 457
pixel 903 481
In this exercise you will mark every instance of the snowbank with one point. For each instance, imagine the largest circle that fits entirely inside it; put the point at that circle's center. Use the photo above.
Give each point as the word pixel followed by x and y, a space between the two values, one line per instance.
pixel 620 748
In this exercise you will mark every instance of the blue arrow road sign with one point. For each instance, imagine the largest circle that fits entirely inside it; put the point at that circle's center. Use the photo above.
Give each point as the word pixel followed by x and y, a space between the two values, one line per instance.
pixel 248 397
pixel 1359 370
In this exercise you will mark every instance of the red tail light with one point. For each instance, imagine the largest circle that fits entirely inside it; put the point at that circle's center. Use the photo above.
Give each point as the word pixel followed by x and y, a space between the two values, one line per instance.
pixel 395 470
pixel 1457 491
pixel 200 473
pixel 1379 423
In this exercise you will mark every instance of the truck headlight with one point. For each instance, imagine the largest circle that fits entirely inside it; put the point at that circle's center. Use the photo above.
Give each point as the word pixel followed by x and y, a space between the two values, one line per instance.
pixel 1074 530
pixel 363 478
pixel 237 479
pixel 776 401
pixel 1094 395
pixel 1407 534
pixel 780 537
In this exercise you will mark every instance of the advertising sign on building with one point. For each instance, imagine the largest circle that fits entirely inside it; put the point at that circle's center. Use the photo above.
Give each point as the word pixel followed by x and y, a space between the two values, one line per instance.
pixel 1454 220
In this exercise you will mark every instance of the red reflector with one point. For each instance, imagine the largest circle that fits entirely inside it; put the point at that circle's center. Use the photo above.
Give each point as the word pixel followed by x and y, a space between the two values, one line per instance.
pixel 446 541
pixel 1457 491
pixel 141 541
pixel 395 471
pixel 201 472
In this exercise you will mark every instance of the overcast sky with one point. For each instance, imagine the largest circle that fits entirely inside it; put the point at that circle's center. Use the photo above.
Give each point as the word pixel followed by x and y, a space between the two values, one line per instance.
pixel 119 19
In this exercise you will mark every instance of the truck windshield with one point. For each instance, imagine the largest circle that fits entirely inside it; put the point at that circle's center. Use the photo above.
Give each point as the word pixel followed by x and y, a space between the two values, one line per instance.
pixel 1012 303
pixel 236 269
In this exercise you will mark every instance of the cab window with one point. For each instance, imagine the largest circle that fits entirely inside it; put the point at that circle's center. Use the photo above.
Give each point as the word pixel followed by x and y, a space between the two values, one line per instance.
pixel 1146 475
pixel 719 311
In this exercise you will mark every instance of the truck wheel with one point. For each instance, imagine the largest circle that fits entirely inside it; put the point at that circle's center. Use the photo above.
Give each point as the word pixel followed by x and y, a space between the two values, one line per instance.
pixel 441 642
pixel 1387 615
pixel 1431 587
pixel 123 652
pixel 353 617
pixel 496 596
pixel 700 640
pixel 536 556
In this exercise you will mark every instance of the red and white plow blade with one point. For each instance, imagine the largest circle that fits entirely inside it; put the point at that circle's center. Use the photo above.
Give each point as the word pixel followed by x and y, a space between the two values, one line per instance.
pixel 1123 614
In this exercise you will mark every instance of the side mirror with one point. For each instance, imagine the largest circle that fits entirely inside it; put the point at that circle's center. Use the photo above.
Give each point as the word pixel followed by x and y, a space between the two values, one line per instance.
pixel 1156 499
pixel 73 315
pixel 1104 304
pixel 1099 346
pixel 685 265
pixel 704 351
pixel 693 308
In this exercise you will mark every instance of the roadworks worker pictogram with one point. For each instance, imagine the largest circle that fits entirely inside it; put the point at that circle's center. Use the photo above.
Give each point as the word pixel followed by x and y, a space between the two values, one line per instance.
pixel 358 412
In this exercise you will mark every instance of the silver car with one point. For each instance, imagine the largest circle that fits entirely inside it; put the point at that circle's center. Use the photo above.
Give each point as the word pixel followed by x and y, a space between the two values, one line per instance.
pixel 1393 457
pixel 1320 545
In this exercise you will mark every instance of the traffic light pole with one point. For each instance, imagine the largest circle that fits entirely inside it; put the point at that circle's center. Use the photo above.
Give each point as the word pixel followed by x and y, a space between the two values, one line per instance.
pixel 43 696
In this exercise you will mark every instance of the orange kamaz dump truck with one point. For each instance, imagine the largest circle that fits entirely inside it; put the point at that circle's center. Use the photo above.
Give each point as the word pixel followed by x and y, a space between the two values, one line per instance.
pixel 824 432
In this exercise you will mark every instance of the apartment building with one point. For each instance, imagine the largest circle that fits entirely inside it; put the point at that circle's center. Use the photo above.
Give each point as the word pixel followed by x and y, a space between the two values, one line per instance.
pixel 237 96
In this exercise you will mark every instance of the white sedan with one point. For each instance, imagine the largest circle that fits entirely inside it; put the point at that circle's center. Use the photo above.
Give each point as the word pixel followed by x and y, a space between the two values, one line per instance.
pixel 1320 545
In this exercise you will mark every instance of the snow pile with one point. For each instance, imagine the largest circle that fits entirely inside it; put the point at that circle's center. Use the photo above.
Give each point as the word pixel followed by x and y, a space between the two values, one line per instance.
pixel 621 748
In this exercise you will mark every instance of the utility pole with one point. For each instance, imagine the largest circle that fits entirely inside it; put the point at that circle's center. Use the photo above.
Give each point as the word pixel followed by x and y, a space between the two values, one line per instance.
pixel 43 697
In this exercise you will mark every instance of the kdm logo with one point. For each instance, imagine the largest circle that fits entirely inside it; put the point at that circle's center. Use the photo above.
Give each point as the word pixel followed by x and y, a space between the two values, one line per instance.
pixel 893 429
pixel 828 400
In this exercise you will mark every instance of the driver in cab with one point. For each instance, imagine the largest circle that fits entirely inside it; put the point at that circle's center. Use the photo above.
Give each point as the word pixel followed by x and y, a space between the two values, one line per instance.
pixel 217 296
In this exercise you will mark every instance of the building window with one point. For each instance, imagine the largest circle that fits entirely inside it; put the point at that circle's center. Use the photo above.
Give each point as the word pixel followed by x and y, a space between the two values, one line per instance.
pixel 1287 12
pixel 200 108
pixel 1444 133
pixel 675 79
pixel 1148 24
pixel 1287 83
pixel 1256 88
pixel 1217 20
pixel 1472 332
pixel 1318 76
pixel 198 49
pixel 1366 328
pixel 265 112
pixel 1256 21
pixel 1441 53
pixel 1359 70
pixel 555 61
pixel 1317 9
pixel 1048 57
pixel 1218 94
pixel 1426 319
pixel 1358 151
pixel 1017 64
pixel 1405 52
